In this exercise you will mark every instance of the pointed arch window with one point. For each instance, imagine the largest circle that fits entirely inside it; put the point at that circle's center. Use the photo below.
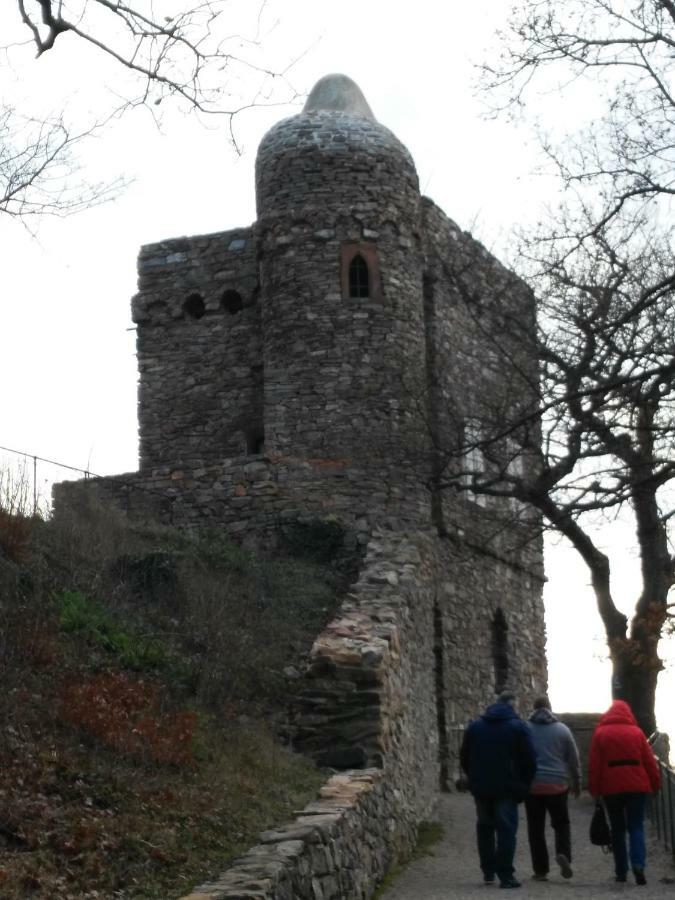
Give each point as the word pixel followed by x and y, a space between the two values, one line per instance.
pixel 359 277
pixel 360 271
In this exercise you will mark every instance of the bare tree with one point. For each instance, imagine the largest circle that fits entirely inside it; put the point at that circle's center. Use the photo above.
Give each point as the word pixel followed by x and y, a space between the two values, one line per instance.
pixel 39 168
pixel 594 433
pixel 185 55
pixel 603 269
pixel 621 51
pixel 189 57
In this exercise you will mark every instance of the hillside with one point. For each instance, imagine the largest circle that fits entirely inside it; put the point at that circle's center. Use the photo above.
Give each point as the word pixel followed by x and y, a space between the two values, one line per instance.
pixel 145 680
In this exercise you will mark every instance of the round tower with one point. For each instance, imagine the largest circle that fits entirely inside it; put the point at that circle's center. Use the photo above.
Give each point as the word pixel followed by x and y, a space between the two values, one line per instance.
pixel 341 285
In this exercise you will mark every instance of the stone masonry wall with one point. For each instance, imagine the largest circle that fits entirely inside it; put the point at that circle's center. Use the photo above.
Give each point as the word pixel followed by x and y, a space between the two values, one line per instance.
pixel 582 726
pixel 251 495
pixel 368 701
pixel 344 375
pixel 473 586
pixel 200 361
pixel 492 575
pixel 479 320
pixel 335 849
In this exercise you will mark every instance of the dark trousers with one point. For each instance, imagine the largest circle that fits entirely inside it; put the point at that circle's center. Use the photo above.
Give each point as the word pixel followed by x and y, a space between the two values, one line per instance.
pixel 626 814
pixel 496 827
pixel 536 807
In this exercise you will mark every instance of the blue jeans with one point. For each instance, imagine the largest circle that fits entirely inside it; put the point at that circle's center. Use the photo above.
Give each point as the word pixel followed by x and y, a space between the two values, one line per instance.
pixel 626 814
pixel 496 827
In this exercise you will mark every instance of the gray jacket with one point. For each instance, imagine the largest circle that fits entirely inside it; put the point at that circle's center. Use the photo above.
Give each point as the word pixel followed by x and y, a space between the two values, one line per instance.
pixel 557 754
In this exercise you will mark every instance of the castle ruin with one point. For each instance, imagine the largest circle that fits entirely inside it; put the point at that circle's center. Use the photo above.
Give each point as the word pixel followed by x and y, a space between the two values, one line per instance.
pixel 315 366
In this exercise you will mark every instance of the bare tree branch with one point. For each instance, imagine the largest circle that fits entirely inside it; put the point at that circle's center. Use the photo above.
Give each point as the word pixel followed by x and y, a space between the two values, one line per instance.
pixel 596 431
pixel 190 58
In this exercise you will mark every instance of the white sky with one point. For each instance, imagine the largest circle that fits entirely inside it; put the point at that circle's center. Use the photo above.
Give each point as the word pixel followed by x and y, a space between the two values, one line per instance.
pixel 67 362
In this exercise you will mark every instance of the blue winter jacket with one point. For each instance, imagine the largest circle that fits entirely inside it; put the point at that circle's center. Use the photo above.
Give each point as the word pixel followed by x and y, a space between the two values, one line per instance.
pixel 498 755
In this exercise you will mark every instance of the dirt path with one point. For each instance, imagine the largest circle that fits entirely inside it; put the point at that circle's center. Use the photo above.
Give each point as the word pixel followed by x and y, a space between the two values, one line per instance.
pixel 452 871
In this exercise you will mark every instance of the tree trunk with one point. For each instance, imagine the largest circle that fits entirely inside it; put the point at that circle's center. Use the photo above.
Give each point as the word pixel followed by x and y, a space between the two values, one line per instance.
pixel 635 671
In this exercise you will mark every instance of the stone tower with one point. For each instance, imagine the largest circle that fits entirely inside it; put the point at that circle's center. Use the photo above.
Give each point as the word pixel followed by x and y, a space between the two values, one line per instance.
pixel 317 365
pixel 304 335
pixel 339 232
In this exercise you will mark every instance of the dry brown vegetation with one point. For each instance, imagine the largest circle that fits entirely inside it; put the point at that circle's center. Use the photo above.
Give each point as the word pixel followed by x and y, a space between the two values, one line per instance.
pixel 143 689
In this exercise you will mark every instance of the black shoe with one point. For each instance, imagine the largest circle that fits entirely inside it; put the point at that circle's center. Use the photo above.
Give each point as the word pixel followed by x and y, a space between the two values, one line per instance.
pixel 620 878
pixel 565 867
pixel 489 878
pixel 509 883
pixel 639 876
pixel 540 876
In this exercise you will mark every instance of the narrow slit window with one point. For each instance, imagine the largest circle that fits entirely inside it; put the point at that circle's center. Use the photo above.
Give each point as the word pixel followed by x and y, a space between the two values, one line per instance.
pixel 500 650
pixel 255 441
pixel 359 277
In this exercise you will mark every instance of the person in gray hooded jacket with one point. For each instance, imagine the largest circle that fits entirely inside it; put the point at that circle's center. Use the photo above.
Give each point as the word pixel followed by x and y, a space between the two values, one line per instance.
pixel 558 773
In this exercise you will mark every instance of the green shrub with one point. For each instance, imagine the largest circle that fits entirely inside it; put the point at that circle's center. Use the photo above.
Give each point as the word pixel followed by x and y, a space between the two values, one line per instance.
pixel 246 619
pixel 79 613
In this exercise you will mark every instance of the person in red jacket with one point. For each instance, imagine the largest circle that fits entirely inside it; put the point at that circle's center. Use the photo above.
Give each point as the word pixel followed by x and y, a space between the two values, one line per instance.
pixel 622 770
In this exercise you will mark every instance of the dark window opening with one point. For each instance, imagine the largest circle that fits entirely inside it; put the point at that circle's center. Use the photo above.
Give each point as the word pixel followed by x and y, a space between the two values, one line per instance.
pixel 500 651
pixel 441 700
pixel 232 302
pixel 359 278
pixel 194 306
pixel 360 271
pixel 255 442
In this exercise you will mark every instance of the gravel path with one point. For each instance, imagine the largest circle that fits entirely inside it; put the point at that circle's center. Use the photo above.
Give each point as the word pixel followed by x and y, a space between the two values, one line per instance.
pixel 452 870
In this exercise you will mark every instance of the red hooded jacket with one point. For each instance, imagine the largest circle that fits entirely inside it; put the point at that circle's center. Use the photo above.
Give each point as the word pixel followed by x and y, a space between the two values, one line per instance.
pixel 621 760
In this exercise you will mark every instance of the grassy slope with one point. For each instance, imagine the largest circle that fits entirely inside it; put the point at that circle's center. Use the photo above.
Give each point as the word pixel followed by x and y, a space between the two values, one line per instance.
pixel 143 681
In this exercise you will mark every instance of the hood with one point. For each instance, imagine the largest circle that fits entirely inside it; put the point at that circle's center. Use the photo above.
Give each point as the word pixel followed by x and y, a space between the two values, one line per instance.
pixel 543 717
pixel 498 712
pixel 619 713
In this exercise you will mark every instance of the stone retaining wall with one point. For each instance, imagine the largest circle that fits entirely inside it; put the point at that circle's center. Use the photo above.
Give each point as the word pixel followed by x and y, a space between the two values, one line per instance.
pixel 336 849
pixel 368 701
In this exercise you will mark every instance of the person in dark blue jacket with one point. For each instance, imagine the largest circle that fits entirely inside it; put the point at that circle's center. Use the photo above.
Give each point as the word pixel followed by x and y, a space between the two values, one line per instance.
pixel 499 759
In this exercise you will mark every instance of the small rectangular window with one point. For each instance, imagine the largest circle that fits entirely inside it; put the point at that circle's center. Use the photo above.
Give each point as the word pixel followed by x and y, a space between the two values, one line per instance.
pixel 473 460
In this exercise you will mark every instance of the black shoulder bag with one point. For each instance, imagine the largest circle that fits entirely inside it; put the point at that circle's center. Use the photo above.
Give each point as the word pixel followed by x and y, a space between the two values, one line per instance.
pixel 599 832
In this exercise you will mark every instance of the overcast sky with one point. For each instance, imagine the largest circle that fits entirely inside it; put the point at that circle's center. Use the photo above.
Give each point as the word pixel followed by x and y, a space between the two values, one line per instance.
pixel 67 362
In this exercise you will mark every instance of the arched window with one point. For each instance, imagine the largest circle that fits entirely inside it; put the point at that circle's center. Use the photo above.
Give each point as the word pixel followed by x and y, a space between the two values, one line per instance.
pixel 360 270
pixel 359 277
pixel 194 306
pixel 232 302
pixel 500 650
